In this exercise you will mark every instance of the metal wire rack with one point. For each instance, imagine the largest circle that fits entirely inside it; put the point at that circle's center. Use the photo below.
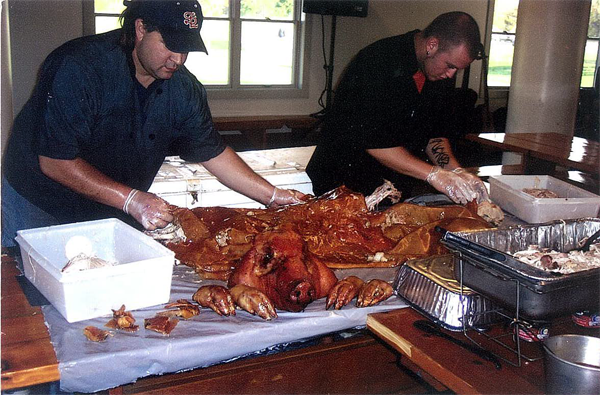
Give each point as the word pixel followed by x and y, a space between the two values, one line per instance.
pixel 507 340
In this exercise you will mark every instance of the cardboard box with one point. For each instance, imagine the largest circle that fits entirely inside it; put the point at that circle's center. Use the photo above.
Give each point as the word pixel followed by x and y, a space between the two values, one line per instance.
pixel 573 202
pixel 140 278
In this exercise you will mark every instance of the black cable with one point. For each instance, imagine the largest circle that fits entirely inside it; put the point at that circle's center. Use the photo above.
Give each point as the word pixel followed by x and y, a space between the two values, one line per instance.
pixel 326 67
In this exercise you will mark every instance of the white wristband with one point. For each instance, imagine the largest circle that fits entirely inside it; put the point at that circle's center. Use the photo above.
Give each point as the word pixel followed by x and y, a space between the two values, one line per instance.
pixel 129 199
pixel 272 200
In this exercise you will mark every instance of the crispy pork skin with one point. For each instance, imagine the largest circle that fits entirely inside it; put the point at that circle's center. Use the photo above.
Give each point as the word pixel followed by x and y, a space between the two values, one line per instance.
pixel 337 227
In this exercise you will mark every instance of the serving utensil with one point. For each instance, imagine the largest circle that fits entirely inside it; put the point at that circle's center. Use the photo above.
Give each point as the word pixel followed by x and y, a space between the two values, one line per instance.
pixel 589 241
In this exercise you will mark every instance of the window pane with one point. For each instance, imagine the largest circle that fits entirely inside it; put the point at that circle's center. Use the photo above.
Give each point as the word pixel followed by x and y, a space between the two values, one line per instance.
pixel 109 6
pixel 500 60
pixel 215 8
pixel 267 53
pixel 267 9
pixel 594 28
pixel 589 64
pixel 214 68
pixel 107 23
pixel 505 16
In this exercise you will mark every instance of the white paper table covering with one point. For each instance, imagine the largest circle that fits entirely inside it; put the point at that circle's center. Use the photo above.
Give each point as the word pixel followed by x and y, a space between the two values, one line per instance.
pixel 202 341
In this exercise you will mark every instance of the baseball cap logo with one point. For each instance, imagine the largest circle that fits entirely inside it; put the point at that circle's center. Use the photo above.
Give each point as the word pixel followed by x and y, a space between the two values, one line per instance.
pixel 189 18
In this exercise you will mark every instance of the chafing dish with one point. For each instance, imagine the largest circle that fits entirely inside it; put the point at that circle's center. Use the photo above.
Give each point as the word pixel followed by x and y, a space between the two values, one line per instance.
pixel 487 266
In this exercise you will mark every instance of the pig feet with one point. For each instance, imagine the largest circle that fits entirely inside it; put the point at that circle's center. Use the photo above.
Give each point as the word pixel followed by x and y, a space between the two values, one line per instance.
pixel 343 292
pixel 253 301
pixel 215 297
pixel 373 292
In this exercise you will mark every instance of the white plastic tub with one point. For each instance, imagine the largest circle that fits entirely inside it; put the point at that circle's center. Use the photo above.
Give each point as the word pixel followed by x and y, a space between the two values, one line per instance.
pixel 141 277
pixel 573 202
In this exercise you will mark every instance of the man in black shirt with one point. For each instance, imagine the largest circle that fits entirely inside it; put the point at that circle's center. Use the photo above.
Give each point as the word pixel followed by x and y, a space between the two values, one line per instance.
pixel 105 112
pixel 387 120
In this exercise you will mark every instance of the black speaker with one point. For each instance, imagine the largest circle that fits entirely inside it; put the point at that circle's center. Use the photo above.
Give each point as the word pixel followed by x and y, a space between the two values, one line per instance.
pixel 336 7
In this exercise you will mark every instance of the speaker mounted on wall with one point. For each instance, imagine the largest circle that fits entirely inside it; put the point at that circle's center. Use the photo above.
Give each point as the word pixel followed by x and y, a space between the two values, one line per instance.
pixel 357 8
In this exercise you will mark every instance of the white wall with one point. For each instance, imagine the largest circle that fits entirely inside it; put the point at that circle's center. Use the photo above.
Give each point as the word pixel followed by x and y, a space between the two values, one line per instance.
pixel 39 26
pixel 36 28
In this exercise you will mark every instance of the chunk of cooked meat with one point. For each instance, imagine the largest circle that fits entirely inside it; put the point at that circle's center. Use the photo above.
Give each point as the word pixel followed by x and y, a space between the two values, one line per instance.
pixel 122 320
pixel 540 193
pixel 161 324
pixel 95 334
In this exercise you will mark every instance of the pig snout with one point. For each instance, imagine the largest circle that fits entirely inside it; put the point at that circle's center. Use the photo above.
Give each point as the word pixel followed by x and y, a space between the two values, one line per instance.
pixel 301 294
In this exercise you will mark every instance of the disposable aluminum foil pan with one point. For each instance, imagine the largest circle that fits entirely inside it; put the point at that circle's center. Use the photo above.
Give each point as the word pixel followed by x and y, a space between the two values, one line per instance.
pixel 429 286
pixel 489 268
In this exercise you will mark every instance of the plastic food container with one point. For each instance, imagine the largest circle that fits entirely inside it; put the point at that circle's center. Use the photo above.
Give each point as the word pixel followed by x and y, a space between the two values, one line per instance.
pixel 573 202
pixel 140 278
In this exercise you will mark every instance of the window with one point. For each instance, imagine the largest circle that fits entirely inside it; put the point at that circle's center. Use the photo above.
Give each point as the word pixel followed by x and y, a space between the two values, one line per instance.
pixel 503 40
pixel 252 44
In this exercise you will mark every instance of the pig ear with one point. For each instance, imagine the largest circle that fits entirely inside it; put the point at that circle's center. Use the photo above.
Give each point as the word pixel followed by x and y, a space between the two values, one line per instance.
pixel 266 262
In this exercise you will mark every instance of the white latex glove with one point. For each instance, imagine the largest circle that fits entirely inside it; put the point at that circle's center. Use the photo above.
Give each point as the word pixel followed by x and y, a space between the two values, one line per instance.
pixel 451 184
pixel 475 183
pixel 148 209
pixel 283 197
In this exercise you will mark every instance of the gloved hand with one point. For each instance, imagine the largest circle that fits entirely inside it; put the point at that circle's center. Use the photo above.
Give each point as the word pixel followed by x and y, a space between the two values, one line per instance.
pixel 283 197
pixel 148 209
pixel 451 184
pixel 475 183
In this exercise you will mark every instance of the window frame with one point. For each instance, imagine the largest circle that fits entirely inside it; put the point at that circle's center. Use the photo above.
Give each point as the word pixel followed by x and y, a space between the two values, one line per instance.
pixel 234 90
pixel 491 33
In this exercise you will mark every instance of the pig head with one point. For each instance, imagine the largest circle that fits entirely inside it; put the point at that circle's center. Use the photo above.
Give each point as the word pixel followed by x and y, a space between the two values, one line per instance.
pixel 280 265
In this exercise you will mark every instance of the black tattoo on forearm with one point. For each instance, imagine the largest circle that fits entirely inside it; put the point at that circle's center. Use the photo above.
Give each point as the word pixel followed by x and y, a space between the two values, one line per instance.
pixel 438 151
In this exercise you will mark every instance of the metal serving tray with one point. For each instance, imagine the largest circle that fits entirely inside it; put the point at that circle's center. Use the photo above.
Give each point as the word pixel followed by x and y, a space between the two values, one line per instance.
pixel 429 286
pixel 489 268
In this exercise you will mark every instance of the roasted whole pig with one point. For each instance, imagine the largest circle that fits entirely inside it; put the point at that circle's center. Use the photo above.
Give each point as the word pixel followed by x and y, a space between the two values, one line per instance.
pixel 279 272
pixel 282 257
pixel 337 227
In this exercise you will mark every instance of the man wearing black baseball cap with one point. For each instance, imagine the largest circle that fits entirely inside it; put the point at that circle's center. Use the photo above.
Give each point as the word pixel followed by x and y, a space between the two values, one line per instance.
pixel 105 112
pixel 179 22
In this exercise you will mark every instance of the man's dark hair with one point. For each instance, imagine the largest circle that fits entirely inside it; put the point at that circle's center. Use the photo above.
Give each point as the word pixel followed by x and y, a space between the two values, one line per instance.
pixel 135 9
pixel 456 28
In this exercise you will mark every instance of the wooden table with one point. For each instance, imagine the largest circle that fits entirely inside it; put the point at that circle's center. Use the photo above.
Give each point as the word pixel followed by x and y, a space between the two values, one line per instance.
pixel 27 355
pixel 330 364
pixel 541 152
pixel 447 365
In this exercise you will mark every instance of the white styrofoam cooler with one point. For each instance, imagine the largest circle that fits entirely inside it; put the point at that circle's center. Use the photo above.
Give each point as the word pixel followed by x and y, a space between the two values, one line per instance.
pixel 190 185
pixel 141 278
pixel 573 202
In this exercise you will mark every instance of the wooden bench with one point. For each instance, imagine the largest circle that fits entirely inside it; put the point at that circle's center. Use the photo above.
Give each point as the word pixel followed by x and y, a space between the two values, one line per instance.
pixel 253 131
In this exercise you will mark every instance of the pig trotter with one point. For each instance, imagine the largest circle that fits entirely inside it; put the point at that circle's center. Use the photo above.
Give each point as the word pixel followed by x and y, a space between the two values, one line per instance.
pixel 373 292
pixel 215 297
pixel 343 292
pixel 253 301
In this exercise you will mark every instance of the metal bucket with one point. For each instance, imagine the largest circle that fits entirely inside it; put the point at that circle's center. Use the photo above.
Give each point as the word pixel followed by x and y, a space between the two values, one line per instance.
pixel 572 364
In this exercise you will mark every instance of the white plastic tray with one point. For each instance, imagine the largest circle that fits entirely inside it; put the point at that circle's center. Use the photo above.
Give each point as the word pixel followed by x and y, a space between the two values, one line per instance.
pixel 573 202
pixel 141 278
